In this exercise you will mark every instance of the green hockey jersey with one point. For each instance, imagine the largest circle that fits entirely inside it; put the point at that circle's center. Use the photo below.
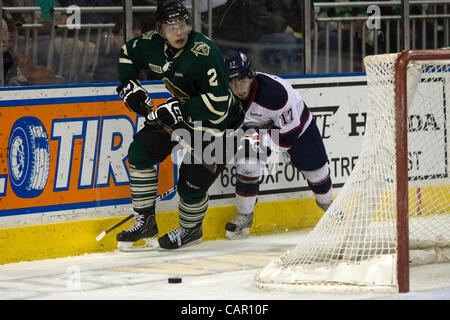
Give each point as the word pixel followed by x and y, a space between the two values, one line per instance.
pixel 196 75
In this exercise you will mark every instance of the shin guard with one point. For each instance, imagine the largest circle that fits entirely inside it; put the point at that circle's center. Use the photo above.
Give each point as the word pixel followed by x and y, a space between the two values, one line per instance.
pixel 320 183
pixel 247 187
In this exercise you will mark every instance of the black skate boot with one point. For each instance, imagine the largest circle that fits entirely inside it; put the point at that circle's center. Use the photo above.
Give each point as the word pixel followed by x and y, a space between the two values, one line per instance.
pixel 144 228
pixel 181 237
pixel 239 227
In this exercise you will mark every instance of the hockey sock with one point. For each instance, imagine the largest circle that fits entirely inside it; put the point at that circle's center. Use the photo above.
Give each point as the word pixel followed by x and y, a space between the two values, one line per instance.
pixel 192 210
pixel 320 183
pixel 323 190
pixel 144 184
pixel 143 178
pixel 247 189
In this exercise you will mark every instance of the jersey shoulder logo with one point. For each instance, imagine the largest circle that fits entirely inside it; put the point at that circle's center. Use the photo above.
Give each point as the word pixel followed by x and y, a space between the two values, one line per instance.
pixel 201 48
pixel 148 35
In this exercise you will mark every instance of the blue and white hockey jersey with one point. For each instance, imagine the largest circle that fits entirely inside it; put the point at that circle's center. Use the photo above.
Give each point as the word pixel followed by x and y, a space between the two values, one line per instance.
pixel 273 98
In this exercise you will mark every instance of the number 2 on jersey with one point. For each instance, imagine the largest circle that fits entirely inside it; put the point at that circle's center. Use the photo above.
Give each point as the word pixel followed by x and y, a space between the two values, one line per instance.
pixel 212 73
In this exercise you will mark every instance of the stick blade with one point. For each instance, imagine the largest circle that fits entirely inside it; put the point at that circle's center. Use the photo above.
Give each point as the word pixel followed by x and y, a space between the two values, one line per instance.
pixel 100 236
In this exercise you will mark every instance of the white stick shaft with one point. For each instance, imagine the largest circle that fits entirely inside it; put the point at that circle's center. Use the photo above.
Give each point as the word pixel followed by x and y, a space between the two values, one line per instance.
pixel 160 197
pixel 100 236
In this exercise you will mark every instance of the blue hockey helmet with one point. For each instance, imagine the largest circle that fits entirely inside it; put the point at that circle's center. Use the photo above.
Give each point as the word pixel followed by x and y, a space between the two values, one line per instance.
pixel 239 67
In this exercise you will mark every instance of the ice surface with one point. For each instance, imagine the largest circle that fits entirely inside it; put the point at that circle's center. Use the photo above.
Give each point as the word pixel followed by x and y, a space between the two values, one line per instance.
pixel 213 270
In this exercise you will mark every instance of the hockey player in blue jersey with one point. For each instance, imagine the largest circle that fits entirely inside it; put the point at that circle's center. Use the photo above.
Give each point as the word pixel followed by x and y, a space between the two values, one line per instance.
pixel 268 99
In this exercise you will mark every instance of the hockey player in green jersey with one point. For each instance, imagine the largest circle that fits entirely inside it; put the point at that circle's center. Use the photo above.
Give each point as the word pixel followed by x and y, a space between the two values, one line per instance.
pixel 192 69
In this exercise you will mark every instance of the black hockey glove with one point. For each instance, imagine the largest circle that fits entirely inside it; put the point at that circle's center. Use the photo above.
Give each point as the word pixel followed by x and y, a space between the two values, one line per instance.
pixel 135 97
pixel 169 113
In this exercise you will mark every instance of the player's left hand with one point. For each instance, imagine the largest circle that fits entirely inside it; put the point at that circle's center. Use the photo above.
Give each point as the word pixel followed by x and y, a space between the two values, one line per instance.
pixel 169 113
pixel 135 97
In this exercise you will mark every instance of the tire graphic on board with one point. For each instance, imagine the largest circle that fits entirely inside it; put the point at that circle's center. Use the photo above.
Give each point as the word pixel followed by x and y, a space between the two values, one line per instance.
pixel 28 157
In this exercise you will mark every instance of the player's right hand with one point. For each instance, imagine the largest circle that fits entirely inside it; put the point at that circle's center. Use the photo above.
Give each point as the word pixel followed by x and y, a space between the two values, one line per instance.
pixel 169 113
pixel 135 97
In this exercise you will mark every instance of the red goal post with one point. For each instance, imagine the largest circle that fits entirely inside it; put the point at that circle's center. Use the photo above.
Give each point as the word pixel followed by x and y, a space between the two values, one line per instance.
pixel 401 137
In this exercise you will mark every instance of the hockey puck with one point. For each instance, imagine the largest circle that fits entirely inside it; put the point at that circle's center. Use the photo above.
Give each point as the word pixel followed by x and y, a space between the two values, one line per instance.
pixel 174 280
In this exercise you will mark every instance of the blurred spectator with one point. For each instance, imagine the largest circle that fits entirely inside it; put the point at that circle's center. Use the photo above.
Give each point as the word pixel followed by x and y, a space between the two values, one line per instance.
pixel 18 68
pixel 332 58
pixel 107 66
pixel 71 58
pixel 146 19
pixel 93 17
pixel 291 11
pixel 19 17
pixel 27 17
pixel 204 11
pixel 252 24
pixel 9 61
pixel 204 4
pixel 46 7
pixel 369 36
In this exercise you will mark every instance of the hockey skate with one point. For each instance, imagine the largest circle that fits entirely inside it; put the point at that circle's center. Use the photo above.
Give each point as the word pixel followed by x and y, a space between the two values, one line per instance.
pixel 239 227
pixel 324 206
pixel 181 237
pixel 144 228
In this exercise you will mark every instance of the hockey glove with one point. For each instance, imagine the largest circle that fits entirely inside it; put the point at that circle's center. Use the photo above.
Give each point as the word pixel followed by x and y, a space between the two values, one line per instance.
pixel 135 97
pixel 169 113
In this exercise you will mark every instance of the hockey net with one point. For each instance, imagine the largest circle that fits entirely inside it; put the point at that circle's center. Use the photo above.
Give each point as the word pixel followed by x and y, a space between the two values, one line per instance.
pixel 394 210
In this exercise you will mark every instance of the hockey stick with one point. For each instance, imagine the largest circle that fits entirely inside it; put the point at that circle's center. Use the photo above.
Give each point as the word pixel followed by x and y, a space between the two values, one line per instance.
pixel 211 167
pixel 159 197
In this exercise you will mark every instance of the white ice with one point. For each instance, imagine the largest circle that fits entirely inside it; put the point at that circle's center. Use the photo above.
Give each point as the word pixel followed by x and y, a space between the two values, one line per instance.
pixel 212 270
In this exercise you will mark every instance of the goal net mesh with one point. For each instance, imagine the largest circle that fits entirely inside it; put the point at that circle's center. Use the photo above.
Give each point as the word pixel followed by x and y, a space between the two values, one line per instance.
pixel 354 245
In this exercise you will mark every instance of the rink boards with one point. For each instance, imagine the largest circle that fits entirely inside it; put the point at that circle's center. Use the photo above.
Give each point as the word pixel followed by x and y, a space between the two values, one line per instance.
pixel 64 176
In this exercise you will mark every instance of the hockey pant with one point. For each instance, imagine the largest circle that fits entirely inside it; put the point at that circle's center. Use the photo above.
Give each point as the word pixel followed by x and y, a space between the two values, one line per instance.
pixel 307 154
pixel 148 148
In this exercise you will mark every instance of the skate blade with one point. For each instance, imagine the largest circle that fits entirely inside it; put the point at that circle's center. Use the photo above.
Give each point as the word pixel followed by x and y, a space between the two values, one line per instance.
pixel 243 233
pixel 149 245
pixel 187 245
